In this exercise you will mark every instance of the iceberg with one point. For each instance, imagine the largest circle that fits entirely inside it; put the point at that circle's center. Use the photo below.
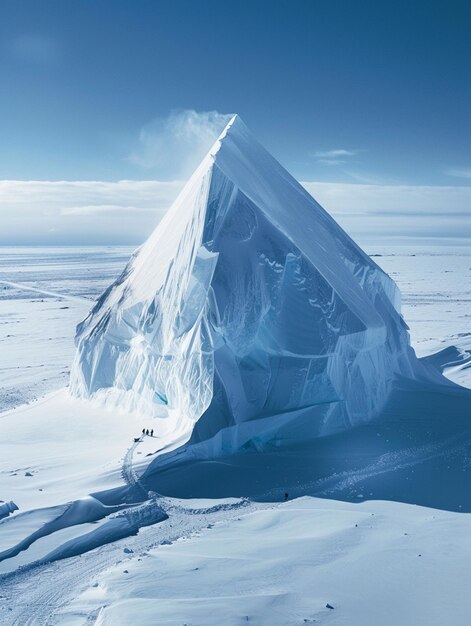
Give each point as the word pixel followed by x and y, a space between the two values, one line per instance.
pixel 248 319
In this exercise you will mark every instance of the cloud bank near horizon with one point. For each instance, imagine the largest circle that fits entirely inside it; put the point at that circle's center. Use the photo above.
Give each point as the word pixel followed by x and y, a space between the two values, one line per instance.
pixel 126 211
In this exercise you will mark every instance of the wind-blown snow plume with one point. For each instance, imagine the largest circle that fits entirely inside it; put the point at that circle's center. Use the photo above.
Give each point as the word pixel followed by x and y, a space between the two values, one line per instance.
pixel 249 318
pixel 176 144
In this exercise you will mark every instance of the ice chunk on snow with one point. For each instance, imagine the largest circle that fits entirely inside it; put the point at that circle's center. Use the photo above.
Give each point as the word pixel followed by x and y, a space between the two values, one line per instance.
pixel 249 317
pixel 6 508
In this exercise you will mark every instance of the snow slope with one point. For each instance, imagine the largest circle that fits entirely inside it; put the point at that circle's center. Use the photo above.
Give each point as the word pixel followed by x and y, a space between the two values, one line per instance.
pixel 283 565
pixel 249 319
pixel 273 563
pixel 44 291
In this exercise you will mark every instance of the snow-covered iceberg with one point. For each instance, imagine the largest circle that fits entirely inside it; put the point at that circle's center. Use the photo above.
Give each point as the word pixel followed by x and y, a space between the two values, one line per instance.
pixel 249 318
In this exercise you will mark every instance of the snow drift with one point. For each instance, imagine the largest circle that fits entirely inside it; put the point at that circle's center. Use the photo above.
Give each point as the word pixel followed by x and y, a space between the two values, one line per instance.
pixel 249 318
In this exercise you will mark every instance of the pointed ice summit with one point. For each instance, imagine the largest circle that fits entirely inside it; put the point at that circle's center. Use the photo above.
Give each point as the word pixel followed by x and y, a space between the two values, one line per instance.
pixel 249 317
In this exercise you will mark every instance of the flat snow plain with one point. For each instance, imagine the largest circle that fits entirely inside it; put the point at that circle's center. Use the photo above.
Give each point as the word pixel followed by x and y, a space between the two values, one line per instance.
pixel 203 562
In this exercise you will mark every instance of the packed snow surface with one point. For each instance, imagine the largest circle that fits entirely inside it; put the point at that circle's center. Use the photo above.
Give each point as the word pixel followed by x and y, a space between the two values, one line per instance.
pixel 249 318
pixel 89 544
pixel 283 565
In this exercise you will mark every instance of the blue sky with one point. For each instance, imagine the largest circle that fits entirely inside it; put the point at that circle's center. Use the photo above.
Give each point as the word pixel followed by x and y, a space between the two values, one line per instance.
pixel 367 93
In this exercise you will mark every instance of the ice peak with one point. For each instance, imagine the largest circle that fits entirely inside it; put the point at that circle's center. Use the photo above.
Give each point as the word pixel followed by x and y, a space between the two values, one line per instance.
pixel 232 124
pixel 247 301
pixel 234 127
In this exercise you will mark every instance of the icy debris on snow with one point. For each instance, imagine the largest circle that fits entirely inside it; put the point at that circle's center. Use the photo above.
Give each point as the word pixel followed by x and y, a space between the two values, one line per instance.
pixel 6 508
pixel 249 318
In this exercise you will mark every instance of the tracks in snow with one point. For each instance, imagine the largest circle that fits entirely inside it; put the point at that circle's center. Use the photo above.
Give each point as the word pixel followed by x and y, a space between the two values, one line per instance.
pixel 39 595
pixel 45 292
pixel 128 472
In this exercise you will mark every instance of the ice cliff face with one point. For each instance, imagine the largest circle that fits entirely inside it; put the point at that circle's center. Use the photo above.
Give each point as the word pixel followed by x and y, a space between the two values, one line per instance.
pixel 248 318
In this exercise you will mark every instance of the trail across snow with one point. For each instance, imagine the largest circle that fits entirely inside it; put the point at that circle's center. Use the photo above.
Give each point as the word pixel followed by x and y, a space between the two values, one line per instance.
pixel 128 473
pixel 237 562
pixel 54 294
pixel 24 602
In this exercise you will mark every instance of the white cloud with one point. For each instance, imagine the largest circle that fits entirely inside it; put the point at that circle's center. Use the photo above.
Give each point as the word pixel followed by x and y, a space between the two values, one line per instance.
pixel 368 212
pixel 82 211
pixel 334 157
pixel 93 209
pixel 175 145
pixel 459 172
pixel 332 154
pixel 86 212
